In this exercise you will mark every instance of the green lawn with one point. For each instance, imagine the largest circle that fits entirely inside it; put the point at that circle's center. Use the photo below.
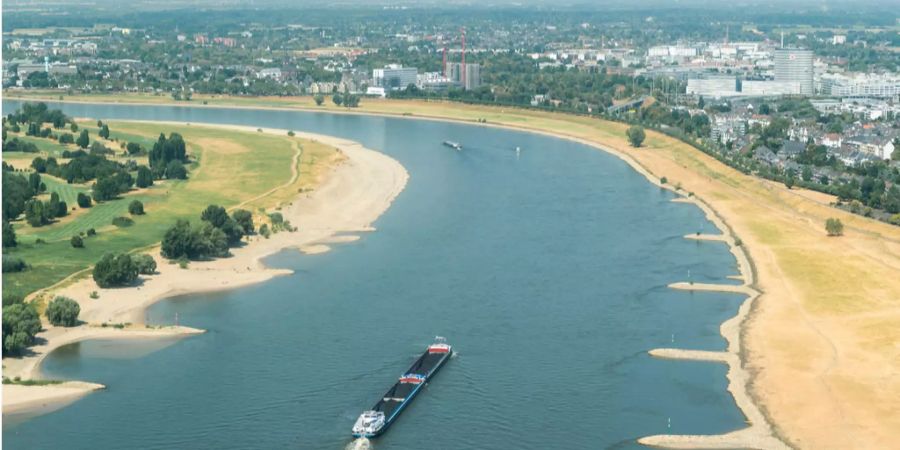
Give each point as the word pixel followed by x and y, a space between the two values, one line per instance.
pixel 231 167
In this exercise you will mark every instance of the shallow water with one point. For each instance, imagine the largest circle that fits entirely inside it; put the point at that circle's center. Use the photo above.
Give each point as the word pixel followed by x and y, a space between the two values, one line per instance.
pixel 546 271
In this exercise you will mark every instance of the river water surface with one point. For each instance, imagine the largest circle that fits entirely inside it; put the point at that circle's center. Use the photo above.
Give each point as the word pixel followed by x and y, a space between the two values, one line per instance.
pixel 546 271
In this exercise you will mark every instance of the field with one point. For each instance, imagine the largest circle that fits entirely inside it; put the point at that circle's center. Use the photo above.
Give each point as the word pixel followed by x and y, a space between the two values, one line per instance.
pixel 231 168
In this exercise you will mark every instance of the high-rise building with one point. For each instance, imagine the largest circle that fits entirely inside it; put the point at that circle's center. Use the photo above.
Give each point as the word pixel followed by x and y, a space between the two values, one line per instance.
pixel 394 77
pixel 795 66
pixel 472 79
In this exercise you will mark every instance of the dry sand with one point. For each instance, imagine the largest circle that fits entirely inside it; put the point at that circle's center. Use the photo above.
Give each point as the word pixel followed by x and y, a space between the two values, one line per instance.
pixel 350 199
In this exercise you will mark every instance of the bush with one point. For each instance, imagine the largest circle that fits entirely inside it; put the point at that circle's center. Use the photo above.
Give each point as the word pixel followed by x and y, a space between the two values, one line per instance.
pixel 77 241
pixel 91 232
pixel 20 323
pixel 84 200
pixel 145 263
pixel 115 270
pixel 834 227
pixel 63 311
pixel 13 264
pixel 136 208
pixel 175 171
pixel 244 218
pixel 264 230
pixel 123 222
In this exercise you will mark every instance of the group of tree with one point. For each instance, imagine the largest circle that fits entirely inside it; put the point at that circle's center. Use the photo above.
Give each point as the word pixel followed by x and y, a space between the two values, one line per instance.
pixel 38 113
pixel 18 145
pixel 20 323
pixel 38 213
pixel 114 270
pixel 168 156
pixel 211 239
pixel 17 191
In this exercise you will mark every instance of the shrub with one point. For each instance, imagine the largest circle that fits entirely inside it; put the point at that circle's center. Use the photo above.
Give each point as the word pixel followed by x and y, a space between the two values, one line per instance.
pixel 663 180
pixel 9 234
pixel 145 263
pixel 136 208
pixel 834 227
pixel 94 295
pixel 91 232
pixel 77 241
pixel 291 133
pixel 244 218
pixel 115 270
pixel 13 264
pixel 264 230
pixel 63 311
pixel 123 222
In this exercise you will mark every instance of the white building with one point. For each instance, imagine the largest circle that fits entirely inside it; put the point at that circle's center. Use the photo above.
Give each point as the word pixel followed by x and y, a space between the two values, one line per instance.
pixel 861 85
pixel 754 88
pixel 395 77
pixel 713 86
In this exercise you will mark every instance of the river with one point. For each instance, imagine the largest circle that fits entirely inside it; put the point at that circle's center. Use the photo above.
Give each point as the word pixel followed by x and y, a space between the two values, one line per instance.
pixel 546 271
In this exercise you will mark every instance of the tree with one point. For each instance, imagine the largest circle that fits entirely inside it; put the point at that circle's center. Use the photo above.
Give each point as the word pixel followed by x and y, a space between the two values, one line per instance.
pixel 806 174
pixel 134 148
pixel 57 207
pixel 145 263
pixel 35 213
pixel 136 208
pixel 77 241
pixel 834 227
pixel 106 188
pixel 178 242
pixel 104 131
pixel 20 323
pixel 115 270
pixel 214 214
pixel 83 139
pixel 319 98
pixel 84 200
pixel 789 181
pixel 244 218
pixel 63 312
pixel 74 127
pixel 635 135
pixel 66 138
pixel 337 99
pixel 144 177
pixel 175 171
pixel 701 103
pixel 9 235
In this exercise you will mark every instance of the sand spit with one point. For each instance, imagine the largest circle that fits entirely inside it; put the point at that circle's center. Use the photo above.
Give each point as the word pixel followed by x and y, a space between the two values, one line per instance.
pixel 350 199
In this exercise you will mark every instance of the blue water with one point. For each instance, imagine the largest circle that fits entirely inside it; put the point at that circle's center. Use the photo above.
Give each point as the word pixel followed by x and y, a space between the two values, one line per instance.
pixel 547 273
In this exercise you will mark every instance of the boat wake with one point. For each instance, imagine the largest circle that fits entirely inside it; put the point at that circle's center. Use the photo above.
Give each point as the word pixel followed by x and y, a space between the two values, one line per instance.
pixel 359 444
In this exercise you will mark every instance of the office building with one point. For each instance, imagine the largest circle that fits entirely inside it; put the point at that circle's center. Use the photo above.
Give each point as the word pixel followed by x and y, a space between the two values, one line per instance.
pixel 795 66
pixel 713 86
pixel 394 77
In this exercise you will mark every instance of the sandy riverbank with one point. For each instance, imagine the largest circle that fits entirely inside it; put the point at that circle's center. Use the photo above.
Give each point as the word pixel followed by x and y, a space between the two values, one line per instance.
pixel 820 342
pixel 349 200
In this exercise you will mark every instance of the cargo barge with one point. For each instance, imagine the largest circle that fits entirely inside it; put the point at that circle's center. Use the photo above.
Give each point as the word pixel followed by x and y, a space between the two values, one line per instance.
pixel 376 421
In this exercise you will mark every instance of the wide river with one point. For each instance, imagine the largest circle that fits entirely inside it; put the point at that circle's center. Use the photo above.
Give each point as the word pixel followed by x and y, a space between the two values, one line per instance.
pixel 546 271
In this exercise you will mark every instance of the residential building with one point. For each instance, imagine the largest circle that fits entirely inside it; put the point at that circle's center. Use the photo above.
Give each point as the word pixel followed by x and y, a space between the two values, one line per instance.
pixel 472 78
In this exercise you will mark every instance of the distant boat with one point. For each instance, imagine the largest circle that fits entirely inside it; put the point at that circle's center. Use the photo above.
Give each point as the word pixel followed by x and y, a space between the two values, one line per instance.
pixel 453 145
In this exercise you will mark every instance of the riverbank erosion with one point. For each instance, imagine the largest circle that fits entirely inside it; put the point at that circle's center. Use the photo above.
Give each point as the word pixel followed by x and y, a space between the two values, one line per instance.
pixel 348 200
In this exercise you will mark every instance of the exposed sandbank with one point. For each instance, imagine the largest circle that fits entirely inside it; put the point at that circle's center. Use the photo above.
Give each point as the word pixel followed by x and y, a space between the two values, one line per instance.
pixel 350 199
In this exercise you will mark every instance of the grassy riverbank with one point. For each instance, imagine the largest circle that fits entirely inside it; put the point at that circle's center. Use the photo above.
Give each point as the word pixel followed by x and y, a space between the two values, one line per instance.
pixel 230 168
pixel 822 340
